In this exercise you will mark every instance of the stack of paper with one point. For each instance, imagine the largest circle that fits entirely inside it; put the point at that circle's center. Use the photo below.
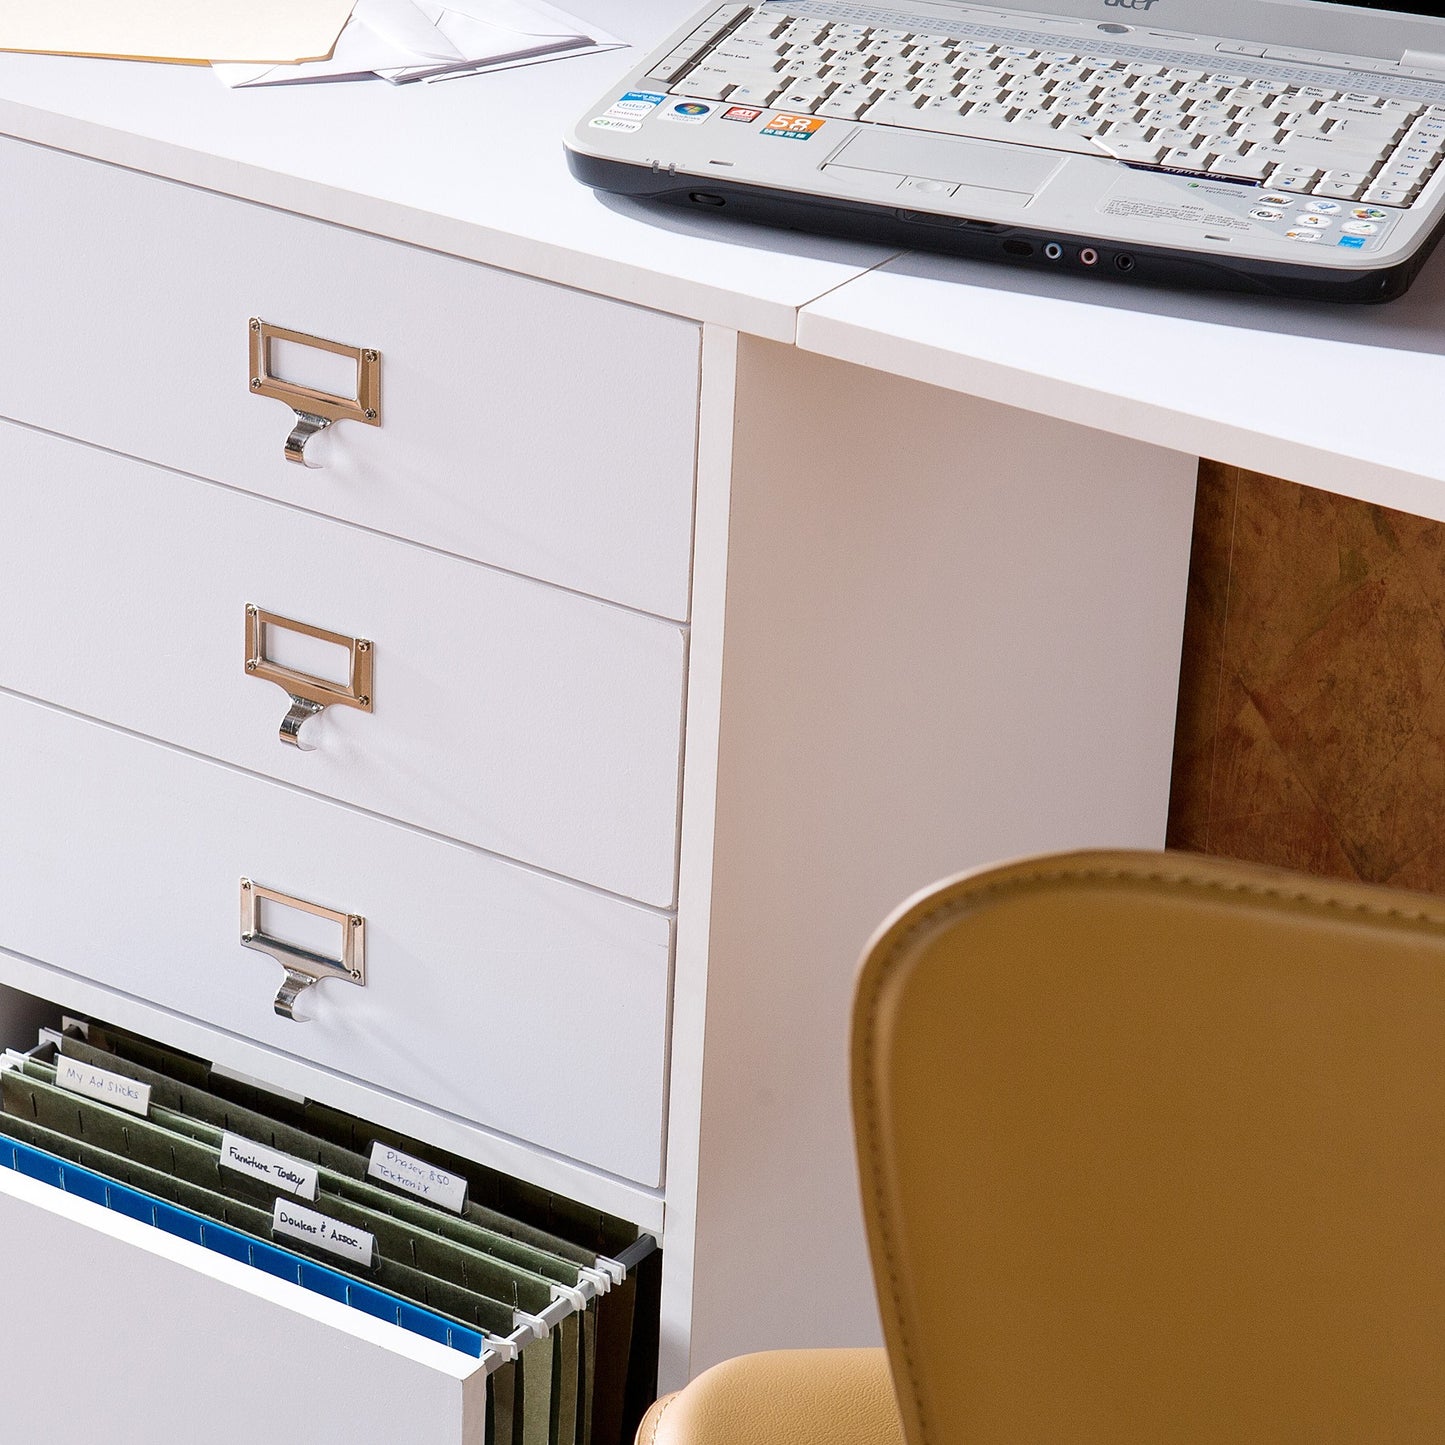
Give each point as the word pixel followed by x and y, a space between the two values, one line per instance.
pixel 404 40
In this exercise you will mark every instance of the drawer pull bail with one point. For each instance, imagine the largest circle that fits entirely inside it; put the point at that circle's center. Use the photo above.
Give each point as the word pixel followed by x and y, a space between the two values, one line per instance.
pixel 306 427
pixel 302 711
pixel 315 409
pixel 310 695
pixel 304 967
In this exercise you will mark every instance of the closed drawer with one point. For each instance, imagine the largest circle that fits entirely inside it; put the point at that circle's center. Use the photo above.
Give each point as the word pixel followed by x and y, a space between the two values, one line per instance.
pixel 540 429
pixel 505 997
pixel 509 714
pixel 132 1336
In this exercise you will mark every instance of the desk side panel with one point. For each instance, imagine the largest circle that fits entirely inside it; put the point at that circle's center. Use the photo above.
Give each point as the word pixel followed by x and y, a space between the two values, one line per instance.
pixel 951 635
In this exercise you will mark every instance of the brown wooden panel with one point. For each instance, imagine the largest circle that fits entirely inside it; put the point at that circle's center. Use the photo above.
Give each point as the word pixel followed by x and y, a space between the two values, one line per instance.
pixel 1311 728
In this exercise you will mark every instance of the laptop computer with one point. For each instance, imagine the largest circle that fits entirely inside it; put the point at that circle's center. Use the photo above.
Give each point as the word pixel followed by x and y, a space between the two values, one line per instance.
pixel 1291 147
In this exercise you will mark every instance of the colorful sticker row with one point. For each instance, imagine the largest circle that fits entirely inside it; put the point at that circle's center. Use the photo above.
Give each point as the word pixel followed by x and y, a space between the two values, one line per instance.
pixel 628 112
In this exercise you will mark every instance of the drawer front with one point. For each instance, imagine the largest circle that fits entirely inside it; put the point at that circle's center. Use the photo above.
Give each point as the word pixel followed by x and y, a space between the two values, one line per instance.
pixel 512 715
pixel 505 997
pixel 543 430
pixel 131 1336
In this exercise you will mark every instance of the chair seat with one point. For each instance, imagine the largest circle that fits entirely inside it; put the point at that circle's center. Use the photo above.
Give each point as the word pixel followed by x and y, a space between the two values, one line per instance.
pixel 782 1397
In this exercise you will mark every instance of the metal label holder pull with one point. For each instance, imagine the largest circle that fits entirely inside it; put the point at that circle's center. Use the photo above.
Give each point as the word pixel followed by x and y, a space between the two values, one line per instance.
pixel 310 695
pixel 315 409
pixel 304 969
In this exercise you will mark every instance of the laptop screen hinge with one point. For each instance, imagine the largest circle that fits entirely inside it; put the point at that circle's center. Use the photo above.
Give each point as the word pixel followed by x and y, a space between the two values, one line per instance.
pixel 1423 60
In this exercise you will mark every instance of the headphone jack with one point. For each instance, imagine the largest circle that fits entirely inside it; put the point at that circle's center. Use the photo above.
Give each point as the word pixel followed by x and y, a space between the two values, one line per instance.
pixel 1054 251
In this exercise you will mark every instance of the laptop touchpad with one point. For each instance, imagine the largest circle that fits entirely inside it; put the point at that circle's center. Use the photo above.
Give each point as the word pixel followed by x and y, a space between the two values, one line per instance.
pixel 1013 169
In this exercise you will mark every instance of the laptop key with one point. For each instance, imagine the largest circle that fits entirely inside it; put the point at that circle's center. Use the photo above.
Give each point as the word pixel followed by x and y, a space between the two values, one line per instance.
pixel 1296 178
pixel 709 83
pixel 1242 167
pixel 762 95
pixel 845 106
pixel 1341 185
pixel 1389 195
pixel 1128 148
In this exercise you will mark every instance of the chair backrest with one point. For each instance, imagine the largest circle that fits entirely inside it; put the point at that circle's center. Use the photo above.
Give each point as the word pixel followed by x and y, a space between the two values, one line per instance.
pixel 1153 1150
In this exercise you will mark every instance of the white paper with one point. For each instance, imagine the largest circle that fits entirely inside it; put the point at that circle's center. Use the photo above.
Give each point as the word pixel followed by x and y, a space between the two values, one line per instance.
pixel 294 1221
pixel 100 1084
pixel 186 30
pixel 405 40
pixel 410 27
pixel 280 1171
pixel 418 1177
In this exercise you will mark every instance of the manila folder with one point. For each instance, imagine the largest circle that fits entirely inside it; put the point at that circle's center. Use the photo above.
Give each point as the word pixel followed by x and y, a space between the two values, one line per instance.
pixel 195 31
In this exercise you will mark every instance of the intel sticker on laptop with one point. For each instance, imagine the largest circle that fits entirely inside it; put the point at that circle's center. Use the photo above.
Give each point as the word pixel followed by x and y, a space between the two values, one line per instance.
pixel 688 112
pixel 635 104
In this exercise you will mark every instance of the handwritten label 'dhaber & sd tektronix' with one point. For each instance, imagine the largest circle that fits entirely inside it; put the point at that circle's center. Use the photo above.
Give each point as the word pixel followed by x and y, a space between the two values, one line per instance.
pixel 416 1176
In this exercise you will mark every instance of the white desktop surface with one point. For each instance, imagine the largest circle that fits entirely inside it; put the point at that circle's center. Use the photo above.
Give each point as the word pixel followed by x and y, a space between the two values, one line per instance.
pixel 472 166
pixel 1344 398
pixel 1337 397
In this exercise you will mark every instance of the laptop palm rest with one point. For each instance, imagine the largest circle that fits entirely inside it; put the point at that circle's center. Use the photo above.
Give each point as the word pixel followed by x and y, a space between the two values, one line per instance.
pixel 1010 172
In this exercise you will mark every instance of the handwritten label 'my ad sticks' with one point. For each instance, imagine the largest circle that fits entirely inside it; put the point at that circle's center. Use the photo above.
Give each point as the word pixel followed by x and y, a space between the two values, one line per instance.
pixel 108 1088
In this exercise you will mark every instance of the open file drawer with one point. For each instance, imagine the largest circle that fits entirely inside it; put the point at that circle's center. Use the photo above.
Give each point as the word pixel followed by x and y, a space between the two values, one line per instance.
pixel 218 1348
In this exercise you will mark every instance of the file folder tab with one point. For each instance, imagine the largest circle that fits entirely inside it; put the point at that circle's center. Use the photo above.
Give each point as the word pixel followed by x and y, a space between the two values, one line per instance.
pixel 105 1087
pixel 344 1240
pixel 416 1176
pixel 280 1171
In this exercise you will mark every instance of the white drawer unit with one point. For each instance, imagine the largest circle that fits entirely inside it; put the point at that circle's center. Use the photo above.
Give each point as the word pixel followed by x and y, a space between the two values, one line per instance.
pixel 691 652
pixel 540 430
pixel 511 999
pixel 515 716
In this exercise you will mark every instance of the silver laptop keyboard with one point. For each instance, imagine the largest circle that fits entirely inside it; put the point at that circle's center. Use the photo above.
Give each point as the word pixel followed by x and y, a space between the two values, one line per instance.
pixel 1305 139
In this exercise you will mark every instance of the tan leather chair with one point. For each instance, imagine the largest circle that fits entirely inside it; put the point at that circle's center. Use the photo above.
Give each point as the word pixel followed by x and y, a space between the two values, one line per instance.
pixel 1152 1149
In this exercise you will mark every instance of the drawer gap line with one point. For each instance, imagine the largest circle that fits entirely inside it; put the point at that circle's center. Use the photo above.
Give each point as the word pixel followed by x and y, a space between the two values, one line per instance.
pixel 668 912
pixel 429 547
pixel 469 1125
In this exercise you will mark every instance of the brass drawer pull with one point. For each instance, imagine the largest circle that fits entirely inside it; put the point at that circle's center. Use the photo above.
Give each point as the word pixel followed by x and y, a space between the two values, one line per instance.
pixel 309 694
pixel 304 968
pixel 315 410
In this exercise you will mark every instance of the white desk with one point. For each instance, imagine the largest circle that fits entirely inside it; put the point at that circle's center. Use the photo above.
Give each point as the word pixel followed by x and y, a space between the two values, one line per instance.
pixel 1341 398
pixel 471 167
pixel 929 626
